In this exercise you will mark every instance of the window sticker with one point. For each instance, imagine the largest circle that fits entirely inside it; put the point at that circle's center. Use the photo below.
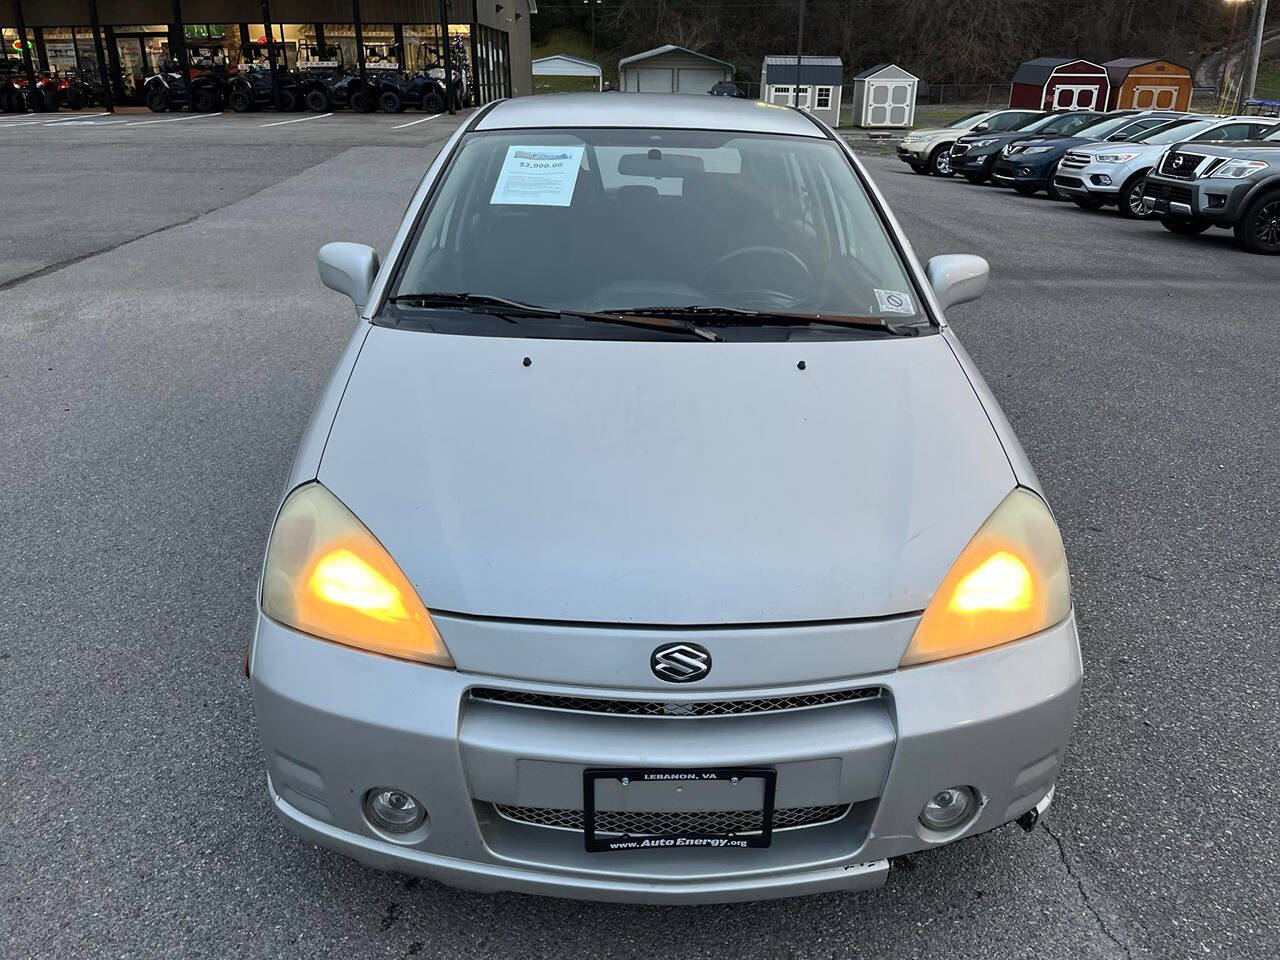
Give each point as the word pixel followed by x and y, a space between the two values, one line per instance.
pixel 538 176
pixel 894 301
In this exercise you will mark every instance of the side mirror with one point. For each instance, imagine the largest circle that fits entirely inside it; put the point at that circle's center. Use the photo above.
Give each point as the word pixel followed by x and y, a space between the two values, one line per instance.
pixel 349 268
pixel 957 278
pixel 981 127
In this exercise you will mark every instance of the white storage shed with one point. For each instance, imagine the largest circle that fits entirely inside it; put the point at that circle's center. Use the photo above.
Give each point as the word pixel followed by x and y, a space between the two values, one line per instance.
pixel 884 96
pixel 671 69
pixel 818 81
pixel 563 65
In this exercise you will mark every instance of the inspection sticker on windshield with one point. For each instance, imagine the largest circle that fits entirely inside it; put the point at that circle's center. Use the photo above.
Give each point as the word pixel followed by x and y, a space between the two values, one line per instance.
pixel 894 301
pixel 538 176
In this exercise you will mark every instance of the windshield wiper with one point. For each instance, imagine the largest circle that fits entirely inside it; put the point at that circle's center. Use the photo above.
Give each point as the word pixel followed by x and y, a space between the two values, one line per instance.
pixel 480 300
pixel 508 309
pixel 738 316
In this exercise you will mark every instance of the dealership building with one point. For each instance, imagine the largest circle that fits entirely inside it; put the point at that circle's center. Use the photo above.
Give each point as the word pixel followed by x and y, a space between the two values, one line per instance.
pixel 123 42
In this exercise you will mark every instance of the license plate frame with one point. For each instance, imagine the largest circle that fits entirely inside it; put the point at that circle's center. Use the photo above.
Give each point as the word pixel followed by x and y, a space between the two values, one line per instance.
pixel 680 841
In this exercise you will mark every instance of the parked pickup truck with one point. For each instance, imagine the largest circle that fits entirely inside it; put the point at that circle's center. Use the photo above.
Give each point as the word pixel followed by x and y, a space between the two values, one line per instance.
pixel 1195 186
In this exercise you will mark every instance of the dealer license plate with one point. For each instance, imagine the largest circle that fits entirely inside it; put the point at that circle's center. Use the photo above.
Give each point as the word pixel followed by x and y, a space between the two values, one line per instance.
pixel 633 827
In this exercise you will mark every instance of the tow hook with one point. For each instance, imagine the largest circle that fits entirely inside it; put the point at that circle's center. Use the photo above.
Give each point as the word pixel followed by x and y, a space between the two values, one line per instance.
pixel 1029 819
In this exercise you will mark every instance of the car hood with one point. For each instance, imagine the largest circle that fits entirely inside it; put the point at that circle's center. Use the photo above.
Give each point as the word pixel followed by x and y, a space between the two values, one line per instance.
pixel 1060 144
pixel 1245 149
pixel 666 482
pixel 1093 147
pixel 930 132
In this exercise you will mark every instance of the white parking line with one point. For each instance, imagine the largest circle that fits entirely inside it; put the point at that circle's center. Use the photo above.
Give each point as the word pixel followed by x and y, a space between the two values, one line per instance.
pixel 86 123
pixel 414 122
pixel 278 123
pixel 194 116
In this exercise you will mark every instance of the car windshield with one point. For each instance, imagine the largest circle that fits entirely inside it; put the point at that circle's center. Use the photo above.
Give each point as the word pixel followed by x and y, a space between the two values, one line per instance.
pixel 605 220
pixel 970 120
pixel 1175 131
pixel 1036 123
pixel 1105 125
pixel 1274 134
pixel 1065 123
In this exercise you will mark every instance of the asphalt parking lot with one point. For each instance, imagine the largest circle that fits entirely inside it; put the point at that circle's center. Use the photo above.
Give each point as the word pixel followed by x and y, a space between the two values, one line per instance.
pixel 162 340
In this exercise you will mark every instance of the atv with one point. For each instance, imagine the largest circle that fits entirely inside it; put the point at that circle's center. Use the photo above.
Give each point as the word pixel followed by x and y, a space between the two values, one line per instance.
pixel 251 89
pixel 167 90
pixel 15 97
pixel 80 91
pixel 326 83
pixel 396 89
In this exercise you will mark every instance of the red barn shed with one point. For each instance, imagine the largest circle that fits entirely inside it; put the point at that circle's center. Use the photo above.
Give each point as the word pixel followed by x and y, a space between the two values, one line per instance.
pixel 1060 83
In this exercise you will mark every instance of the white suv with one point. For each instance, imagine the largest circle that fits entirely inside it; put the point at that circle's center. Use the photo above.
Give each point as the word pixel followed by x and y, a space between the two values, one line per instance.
pixel 1103 173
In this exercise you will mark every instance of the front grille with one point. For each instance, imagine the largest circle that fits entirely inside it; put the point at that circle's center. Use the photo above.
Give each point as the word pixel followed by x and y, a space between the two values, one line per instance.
pixel 1069 181
pixel 673 708
pixel 1075 161
pixel 666 822
pixel 1167 191
pixel 1181 165
pixel 959 149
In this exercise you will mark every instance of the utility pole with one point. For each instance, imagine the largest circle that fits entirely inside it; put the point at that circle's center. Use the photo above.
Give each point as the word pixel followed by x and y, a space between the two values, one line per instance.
pixel 795 89
pixel 1253 54
pixel 1226 55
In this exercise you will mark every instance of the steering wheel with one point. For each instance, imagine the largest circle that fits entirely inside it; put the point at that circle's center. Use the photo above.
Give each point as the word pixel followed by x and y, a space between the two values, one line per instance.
pixel 760 296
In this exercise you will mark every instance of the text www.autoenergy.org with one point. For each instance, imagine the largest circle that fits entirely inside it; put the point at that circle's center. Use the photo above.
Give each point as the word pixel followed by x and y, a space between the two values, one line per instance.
pixel 651 842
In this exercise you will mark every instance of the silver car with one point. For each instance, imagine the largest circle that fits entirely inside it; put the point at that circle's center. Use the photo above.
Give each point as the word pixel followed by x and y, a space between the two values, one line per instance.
pixel 654 538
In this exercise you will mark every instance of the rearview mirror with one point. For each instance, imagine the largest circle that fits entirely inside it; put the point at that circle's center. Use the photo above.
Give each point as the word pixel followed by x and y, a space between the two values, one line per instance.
pixel 957 278
pixel 349 268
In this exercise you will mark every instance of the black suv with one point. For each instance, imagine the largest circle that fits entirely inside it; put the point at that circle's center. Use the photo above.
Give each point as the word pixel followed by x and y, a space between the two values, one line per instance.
pixel 1028 164
pixel 1234 185
pixel 974 155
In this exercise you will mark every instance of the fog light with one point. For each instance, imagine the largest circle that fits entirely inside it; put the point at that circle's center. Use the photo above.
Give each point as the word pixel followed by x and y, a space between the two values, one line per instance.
pixel 1025 171
pixel 948 808
pixel 392 810
pixel 1217 201
pixel 1101 179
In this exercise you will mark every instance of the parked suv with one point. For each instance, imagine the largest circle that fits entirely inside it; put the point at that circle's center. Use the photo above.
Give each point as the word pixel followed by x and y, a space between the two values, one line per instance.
pixel 1095 175
pixel 929 150
pixel 974 155
pixel 1029 165
pixel 1196 186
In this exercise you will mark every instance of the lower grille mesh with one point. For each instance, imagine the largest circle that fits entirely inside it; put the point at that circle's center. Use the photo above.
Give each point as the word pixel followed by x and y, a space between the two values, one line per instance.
pixel 661 822
pixel 673 708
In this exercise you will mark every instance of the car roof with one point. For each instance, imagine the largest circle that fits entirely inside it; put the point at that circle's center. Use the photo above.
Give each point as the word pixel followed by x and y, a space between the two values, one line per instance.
pixel 658 110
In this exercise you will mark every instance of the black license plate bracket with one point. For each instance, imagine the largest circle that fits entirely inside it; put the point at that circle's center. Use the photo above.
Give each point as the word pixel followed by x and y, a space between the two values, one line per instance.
pixel 597 843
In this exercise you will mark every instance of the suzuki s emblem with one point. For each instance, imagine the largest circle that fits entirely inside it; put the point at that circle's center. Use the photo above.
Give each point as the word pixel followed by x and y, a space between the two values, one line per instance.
pixel 680 662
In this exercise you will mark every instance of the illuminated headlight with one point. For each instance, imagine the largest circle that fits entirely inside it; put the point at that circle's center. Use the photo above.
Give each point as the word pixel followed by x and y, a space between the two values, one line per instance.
pixel 1114 157
pixel 1238 169
pixel 1009 582
pixel 1038 149
pixel 328 576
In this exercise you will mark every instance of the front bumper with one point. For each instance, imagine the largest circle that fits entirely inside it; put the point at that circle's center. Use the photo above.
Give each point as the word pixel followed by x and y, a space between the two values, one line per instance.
pixel 914 153
pixel 973 163
pixel 1016 170
pixel 1218 201
pixel 335 722
pixel 1094 181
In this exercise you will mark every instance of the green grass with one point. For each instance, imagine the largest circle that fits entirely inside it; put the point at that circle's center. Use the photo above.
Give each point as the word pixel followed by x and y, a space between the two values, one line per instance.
pixel 1269 75
pixel 572 43
pixel 564 40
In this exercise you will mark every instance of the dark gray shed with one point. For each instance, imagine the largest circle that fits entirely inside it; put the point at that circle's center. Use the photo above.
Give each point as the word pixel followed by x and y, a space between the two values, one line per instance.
pixel 818 79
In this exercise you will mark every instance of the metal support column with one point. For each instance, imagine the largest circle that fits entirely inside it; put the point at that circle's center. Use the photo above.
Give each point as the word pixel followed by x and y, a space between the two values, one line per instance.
pixel 448 57
pixel 359 28
pixel 21 23
pixel 109 60
pixel 42 52
pixel 178 38
pixel 271 53
pixel 397 35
